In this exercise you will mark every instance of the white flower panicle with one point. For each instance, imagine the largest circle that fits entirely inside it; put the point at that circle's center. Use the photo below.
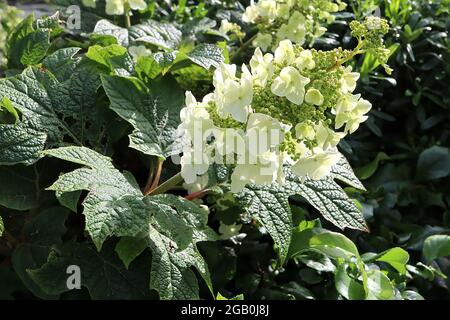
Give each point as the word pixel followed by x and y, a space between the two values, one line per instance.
pixel 300 21
pixel 282 111
pixel 117 7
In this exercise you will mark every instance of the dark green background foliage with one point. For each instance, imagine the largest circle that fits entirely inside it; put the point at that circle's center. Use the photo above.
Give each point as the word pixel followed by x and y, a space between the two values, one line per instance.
pixel 84 97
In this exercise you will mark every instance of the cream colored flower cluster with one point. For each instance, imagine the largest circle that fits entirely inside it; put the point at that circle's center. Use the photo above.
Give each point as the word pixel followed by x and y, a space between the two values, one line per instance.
pixel 300 21
pixel 282 109
pixel 118 7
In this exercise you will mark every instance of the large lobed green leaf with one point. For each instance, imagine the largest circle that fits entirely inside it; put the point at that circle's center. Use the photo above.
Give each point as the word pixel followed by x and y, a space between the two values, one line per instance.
pixel 113 205
pixel 56 103
pixel 153 112
pixel 163 35
pixel 174 229
pixel 20 143
pixel 270 204
pixel 28 43
pixel 102 273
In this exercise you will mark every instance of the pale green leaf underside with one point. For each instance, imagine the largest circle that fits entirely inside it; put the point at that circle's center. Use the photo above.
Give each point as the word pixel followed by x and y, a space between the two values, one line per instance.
pixel 206 55
pixel 160 34
pixel 106 28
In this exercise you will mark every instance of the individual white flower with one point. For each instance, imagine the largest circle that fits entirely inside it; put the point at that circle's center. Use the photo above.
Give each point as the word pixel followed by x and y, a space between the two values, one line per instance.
pixel 284 53
pixel 320 31
pixel 262 67
pixel 228 231
pixel 294 30
pixel 327 138
pixel 195 119
pixel 263 133
pixel 139 51
pixel 350 110
pixel 200 184
pixel 313 96
pixel 324 15
pixel 283 10
pixel 194 163
pixel 341 5
pixel 348 80
pixel 290 84
pixel 333 7
pixel 305 60
pixel 317 165
pixel 346 103
pixel 229 141
pixel 234 97
pixel 89 3
pixel 263 41
pixel 251 13
pixel 224 73
pixel 305 130
pixel 226 26
pixel 231 27
pixel 137 4
pixel 264 171
pixel 117 7
pixel 268 9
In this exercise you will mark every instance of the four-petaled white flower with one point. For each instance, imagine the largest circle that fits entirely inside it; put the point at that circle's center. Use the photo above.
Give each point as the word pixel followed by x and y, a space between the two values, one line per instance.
pixel 233 96
pixel 290 84
pixel 326 138
pixel 348 80
pixel 262 67
pixel 284 53
pixel 294 30
pixel 194 164
pixel 263 41
pixel 117 7
pixel 195 119
pixel 305 130
pixel 263 133
pixel 266 170
pixel 351 110
pixel 305 60
pixel 316 165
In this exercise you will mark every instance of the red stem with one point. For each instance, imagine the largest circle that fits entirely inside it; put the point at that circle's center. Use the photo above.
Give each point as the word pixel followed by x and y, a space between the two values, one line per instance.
pixel 197 195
